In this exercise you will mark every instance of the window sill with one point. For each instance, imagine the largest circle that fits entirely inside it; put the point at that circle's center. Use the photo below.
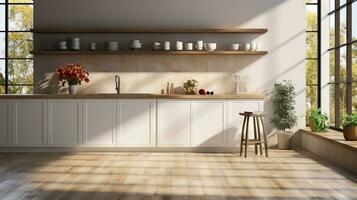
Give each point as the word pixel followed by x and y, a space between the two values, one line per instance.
pixel 333 136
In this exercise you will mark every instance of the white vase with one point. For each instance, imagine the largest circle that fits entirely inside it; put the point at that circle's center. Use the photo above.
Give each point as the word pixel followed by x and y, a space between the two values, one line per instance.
pixel 284 139
pixel 72 89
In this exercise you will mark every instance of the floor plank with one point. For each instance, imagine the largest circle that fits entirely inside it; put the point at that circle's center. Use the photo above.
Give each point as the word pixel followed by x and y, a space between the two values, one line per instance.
pixel 171 176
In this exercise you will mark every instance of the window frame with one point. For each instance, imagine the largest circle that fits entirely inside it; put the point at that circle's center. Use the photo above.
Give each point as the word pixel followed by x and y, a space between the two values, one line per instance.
pixel 337 62
pixel 7 83
pixel 318 53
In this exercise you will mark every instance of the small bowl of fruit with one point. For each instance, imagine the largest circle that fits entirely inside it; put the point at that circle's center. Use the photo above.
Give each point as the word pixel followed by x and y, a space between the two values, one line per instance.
pixel 204 92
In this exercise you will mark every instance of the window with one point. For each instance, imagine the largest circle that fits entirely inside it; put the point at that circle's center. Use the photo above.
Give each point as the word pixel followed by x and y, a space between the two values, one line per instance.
pixel 16 40
pixel 312 53
pixel 343 60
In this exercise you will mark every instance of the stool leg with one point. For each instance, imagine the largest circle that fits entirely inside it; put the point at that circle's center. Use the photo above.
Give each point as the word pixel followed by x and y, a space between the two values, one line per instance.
pixel 242 137
pixel 259 137
pixel 246 138
pixel 265 138
pixel 255 135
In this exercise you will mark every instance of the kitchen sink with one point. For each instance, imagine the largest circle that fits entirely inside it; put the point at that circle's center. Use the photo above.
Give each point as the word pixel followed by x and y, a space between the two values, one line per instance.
pixel 124 93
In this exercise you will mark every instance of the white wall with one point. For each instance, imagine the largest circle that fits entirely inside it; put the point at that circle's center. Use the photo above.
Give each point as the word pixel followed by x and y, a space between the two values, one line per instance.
pixel 325 58
pixel 285 41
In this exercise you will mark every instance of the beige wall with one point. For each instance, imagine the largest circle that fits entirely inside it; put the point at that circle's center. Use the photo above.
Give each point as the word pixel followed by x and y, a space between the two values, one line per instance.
pixel 285 41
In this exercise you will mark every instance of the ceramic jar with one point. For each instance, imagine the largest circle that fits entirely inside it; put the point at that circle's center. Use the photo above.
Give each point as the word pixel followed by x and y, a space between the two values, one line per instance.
pixel 199 45
pixel 92 46
pixel 189 46
pixel 167 45
pixel 179 45
pixel 156 46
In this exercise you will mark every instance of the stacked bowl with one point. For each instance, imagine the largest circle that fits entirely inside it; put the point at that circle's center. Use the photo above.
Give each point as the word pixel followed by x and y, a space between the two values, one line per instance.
pixel 74 43
pixel 112 46
pixel 135 45
pixel 62 45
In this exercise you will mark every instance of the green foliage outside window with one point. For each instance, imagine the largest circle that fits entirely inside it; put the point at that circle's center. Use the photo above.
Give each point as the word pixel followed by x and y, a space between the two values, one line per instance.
pixel 20 63
pixel 311 65
pixel 311 69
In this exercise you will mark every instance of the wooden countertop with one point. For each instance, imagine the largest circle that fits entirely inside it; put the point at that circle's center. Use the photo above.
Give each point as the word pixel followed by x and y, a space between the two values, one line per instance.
pixel 131 96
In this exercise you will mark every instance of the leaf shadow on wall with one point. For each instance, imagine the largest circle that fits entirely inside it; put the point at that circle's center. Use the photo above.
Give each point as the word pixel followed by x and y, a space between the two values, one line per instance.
pixel 51 83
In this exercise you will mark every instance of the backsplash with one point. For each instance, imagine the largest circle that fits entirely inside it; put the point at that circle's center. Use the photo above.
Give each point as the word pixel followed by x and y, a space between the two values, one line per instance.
pixel 150 73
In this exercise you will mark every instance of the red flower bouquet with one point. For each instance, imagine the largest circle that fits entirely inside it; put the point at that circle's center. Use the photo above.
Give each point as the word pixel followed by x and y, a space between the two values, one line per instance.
pixel 72 74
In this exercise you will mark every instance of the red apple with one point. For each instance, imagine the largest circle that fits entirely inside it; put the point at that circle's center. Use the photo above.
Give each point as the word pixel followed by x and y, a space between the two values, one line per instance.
pixel 202 92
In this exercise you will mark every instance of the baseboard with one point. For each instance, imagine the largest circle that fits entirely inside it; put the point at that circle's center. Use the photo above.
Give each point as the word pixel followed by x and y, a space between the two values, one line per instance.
pixel 122 149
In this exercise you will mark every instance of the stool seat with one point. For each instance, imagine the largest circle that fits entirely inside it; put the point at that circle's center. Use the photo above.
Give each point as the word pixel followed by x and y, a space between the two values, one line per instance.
pixel 257 141
pixel 253 114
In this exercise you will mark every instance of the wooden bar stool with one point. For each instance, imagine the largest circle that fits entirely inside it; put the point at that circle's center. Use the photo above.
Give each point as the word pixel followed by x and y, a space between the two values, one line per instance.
pixel 257 141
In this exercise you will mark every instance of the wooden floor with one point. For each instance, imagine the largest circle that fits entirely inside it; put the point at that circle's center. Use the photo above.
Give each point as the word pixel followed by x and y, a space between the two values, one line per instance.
pixel 166 176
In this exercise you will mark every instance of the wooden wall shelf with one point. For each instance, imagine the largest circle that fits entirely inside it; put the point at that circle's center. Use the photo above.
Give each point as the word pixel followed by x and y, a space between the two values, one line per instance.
pixel 150 52
pixel 143 30
pixel 148 30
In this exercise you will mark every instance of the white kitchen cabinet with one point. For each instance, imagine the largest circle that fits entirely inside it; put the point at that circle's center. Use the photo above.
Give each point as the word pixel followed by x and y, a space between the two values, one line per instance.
pixel 208 123
pixel 99 123
pixel 123 122
pixel 136 123
pixel 29 123
pixel 174 123
pixel 64 123
pixel 235 121
pixel 5 139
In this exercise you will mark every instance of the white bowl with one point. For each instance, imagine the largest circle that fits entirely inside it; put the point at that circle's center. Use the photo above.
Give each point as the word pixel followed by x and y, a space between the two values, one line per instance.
pixel 210 46
pixel 136 45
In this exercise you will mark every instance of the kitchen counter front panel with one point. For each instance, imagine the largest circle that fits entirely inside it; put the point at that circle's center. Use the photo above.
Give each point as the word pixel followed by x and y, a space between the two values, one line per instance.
pixel 123 123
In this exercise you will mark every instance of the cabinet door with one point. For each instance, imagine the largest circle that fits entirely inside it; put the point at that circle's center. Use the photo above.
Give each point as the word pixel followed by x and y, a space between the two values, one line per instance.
pixel 235 121
pixel 208 123
pixel 29 123
pixel 99 123
pixel 64 123
pixel 174 123
pixel 5 139
pixel 136 122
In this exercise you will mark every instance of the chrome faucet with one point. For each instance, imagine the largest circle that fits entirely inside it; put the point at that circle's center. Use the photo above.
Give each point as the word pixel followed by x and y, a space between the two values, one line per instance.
pixel 117 83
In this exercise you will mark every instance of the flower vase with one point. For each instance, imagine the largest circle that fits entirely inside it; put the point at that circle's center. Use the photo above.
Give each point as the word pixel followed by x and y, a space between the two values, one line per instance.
pixel 72 89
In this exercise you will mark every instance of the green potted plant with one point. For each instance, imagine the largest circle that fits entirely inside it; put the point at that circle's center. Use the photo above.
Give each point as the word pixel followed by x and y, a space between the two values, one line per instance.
pixel 284 117
pixel 350 127
pixel 318 121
